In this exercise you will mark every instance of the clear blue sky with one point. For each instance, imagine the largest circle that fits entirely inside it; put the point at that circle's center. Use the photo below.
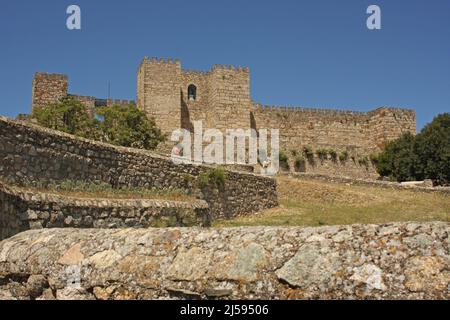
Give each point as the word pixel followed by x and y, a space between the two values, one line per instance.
pixel 316 53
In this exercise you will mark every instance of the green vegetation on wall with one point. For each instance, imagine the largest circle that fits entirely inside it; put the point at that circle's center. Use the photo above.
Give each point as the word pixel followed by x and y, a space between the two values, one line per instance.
pixel 213 177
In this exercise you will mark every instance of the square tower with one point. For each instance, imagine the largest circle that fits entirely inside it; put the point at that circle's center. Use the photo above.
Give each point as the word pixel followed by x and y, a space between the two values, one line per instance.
pixel 158 92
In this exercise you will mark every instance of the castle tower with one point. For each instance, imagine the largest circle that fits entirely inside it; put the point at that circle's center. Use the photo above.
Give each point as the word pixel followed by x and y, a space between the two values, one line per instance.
pixel 158 92
pixel 230 96
pixel 48 88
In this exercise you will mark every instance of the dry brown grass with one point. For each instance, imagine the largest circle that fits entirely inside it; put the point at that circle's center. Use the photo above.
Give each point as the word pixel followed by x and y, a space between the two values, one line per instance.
pixel 313 203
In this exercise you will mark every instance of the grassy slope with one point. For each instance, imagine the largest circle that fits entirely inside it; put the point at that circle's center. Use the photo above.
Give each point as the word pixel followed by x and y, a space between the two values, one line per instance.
pixel 313 203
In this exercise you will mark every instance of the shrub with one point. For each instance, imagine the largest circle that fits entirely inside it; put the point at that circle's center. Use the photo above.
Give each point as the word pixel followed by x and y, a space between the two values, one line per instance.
pixel 373 158
pixel 283 157
pixel 364 161
pixel 333 154
pixel 294 153
pixel 343 156
pixel 322 153
pixel 299 164
pixel 309 154
pixel 213 177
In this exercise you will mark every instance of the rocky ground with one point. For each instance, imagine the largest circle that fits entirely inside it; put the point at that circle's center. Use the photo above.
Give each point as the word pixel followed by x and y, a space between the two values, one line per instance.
pixel 386 261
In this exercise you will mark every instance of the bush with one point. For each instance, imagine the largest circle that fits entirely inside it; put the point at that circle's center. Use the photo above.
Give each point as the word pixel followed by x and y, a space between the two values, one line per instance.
pixel 322 153
pixel 213 177
pixel 373 158
pixel 121 125
pixel 425 156
pixel 364 161
pixel 309 154
pixel 300 164
pixel 343 156
pixel 294 153
pixel 333 154
pixel 283 157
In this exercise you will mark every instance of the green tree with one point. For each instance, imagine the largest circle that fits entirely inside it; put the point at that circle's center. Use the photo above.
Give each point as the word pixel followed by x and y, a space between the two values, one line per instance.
pixel 432 147
pixel 424 156
pixel 69 116
pixel 398 159
pixel 127 126
pixel 120 125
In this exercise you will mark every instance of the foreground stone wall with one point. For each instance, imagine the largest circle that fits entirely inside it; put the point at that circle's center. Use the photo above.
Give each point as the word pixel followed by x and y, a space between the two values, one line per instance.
pixel 32 155
pixel 23 210
pixel 390 261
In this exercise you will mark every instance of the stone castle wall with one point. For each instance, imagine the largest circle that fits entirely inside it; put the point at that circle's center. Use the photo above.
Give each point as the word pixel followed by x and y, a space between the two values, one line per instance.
pixel 31 155
pixel 223 101
pixel 387 261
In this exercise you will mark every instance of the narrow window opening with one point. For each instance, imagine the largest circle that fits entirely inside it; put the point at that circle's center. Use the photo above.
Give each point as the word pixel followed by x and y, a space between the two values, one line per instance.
pixel 192 92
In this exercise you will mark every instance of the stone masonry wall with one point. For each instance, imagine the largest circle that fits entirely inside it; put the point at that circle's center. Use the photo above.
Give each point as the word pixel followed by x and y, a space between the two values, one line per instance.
pixel 224 102
pixel 388 261
pixel 23 210
pixel 48 89
pixel 32 155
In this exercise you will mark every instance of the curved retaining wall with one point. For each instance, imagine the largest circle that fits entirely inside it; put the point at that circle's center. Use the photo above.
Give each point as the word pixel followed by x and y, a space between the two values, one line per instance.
pixel 23 210
pixel 31 155
pixel 390 261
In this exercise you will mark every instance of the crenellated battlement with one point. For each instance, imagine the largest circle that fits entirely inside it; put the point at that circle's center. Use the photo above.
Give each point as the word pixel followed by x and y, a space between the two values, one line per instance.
pixel 232 68
pixel 300 109
pixel 161 61
pixel 50 76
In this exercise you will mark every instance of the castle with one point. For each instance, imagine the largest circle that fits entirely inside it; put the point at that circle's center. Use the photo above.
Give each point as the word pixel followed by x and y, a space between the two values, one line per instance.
pixel 221 99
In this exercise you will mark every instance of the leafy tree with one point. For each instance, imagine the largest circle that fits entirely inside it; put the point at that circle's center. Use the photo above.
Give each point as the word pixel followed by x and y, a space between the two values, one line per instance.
pixel 127 126
pixel 120 125
pixel 69 116
pixel 398 159
pixel 433 149
pixel 424 156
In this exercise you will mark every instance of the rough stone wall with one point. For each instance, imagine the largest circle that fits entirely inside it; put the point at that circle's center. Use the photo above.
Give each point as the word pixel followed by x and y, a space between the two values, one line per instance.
pixel 23 210
pixel 224 102
pixel 389 123
pixel 11 207
pixel 48 89
pixel 159 92
pixel 32 155
pixel 360 132
pixel 389 261
pixel 348 168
